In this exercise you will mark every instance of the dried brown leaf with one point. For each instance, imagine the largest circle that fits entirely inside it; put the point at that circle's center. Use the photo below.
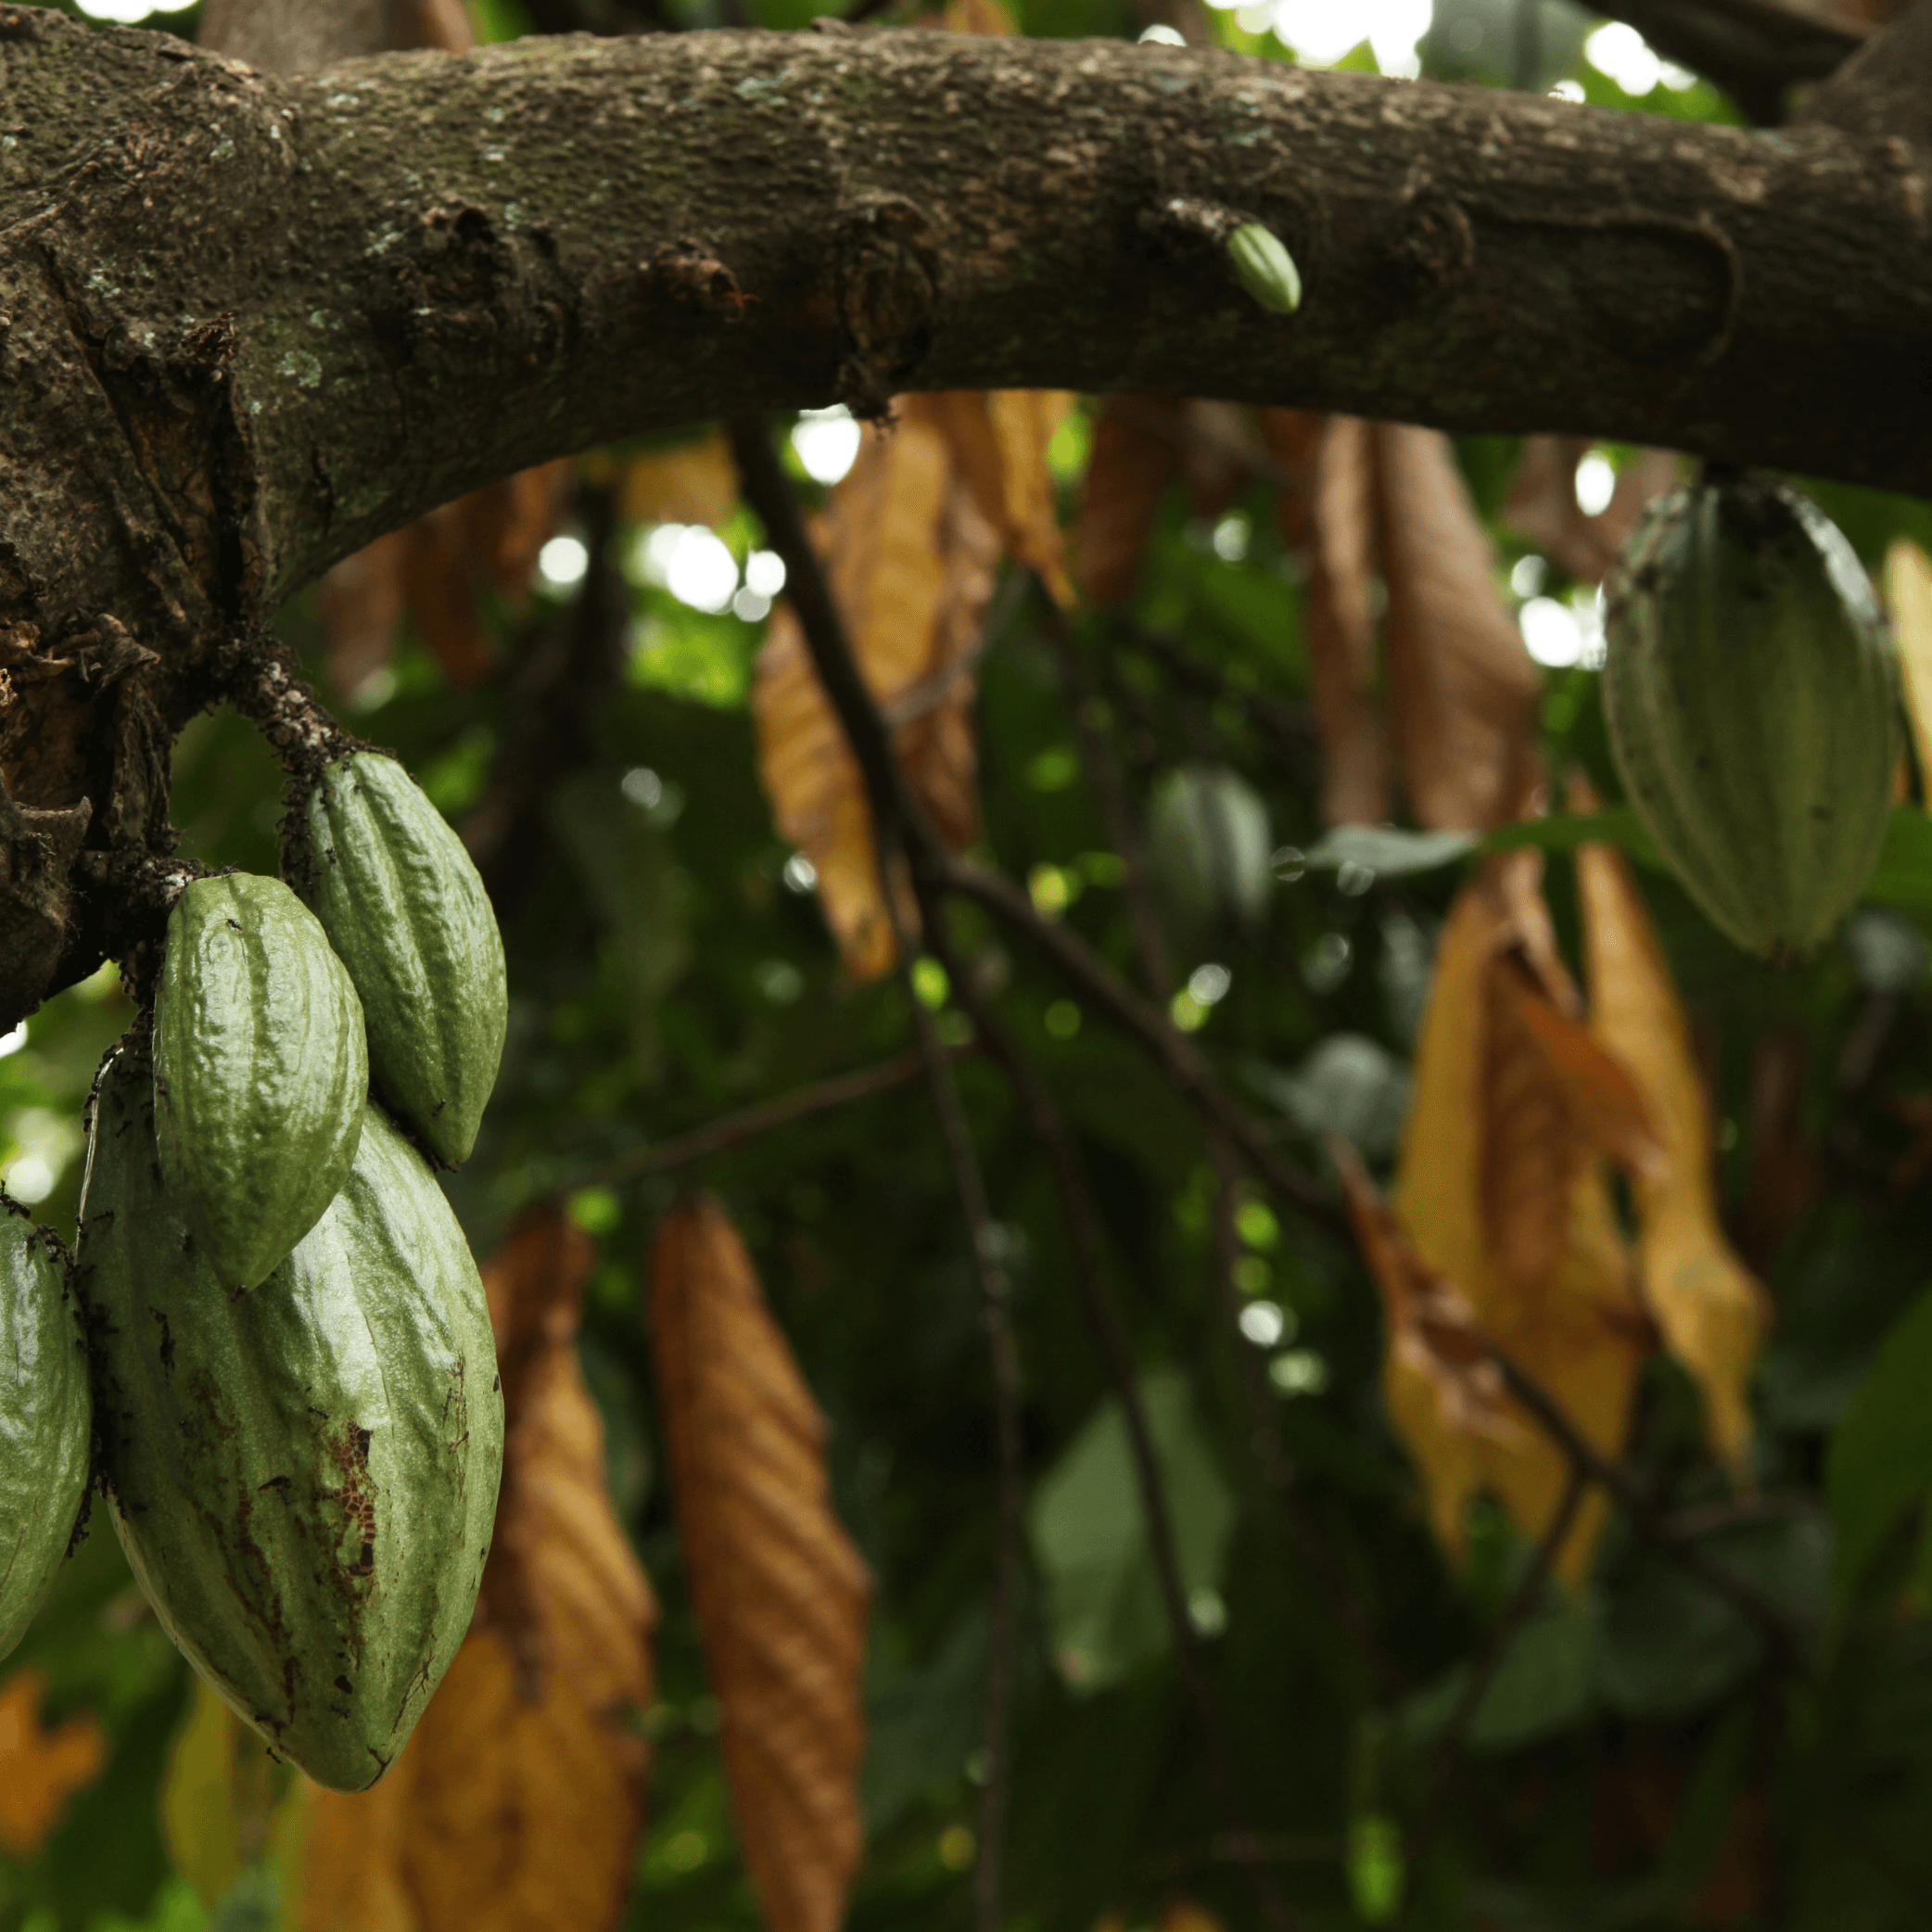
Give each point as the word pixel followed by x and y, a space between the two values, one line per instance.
pixel 1543 503
pixel 779 1593
pixel 441 24
pixel 361 604
pixel 40 1769
pixel 1340 628
pixel 1293 438
pixel 694 483
pixel 1222 454
pixel 910 561
pixel 1462 689
pixel 432 568
pixel 519 1799
pixel 1135 454
pixel 1710 1309
pixel 976 16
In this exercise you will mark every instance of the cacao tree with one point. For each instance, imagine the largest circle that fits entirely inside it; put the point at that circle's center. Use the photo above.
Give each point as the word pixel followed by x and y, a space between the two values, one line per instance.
pixel 1159 1252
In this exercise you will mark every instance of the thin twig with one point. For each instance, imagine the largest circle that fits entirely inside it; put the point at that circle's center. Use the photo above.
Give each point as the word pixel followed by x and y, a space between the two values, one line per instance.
pixel 732 1129
pixel 1109 794
pixel 1287 728
pixel 1049 1128
pixel 898 830
pixel 769 491
pixel 1522 1601
pixel 1177 1057
pixel 1781 1638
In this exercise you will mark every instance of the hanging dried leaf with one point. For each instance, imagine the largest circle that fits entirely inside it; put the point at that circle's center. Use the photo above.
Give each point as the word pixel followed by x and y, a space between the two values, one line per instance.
pixel 1340 628
pixel 999 441
pixel 1462 688
pixel 1908 593
pixel 1443 1390
pixel 40 1770
pixel 1222 454
pixel 1135 453
pixel 360 602
pixel 697 482
pixel 1560 1302
pixel 910 560
pixel 977 16
pixel 1709 1308
pixel 1543 503
pixel 442 24
pixel 519 1800
pixel 779 1593
pixel 434 569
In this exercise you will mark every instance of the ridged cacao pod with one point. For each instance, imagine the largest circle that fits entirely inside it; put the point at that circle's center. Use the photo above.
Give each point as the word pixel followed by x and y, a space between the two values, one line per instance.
pixel 407 911
pixel 45 1423
pixel 1207 849
pixel 1752 703
pixel 303 1477
pixel 261 1071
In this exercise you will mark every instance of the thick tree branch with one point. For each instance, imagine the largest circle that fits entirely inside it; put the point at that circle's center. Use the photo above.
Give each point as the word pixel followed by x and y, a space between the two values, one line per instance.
pixel 249 322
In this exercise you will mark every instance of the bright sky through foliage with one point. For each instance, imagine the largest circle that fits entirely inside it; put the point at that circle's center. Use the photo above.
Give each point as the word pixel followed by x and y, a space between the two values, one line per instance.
pixel 128 12
pixel 827 442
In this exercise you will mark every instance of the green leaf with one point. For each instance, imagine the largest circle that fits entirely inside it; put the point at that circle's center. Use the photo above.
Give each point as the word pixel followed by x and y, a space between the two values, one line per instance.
pixel 1089 1536
pixel 1903 876
pixel 1387 851
pixel 1880 1459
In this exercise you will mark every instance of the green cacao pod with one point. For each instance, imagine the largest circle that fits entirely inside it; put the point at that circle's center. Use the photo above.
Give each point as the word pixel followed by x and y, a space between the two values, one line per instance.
pixel 404 907
pixel 1752 705
pixel 303 1477
pixel 1207 850
pixel 261 1071
pixel 46 1423
pixel 1267 269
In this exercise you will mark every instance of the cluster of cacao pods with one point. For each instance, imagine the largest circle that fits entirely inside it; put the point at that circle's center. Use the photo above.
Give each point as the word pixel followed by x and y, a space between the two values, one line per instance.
pixel 1753 709
pixel 295 1409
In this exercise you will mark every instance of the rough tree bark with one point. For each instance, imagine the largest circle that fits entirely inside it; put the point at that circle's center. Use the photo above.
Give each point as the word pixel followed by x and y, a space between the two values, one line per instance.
pixel 249 322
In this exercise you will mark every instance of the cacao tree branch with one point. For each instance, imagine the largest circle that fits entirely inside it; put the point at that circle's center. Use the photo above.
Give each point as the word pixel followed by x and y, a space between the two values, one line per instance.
pixel 267 318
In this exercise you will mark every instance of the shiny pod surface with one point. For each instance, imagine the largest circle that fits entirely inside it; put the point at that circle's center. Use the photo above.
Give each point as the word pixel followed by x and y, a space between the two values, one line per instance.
pixel 261 1071
pixel 304 1477
pixel 1752 706
pixel 406 909
pixel 45 1423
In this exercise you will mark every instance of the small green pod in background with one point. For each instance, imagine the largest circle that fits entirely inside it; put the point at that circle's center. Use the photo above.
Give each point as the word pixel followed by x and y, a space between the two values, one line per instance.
pixel 47 1422
pixel 407 911
pixel 261 1071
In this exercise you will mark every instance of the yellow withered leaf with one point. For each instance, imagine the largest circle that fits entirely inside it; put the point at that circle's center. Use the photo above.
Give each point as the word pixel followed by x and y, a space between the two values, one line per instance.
pixel 40 1769
pixel 779 1593
pixel 1000 439
pixel 1709 1306
pixel 1443 1391
pixel 519 1799
pixel 1543 1268
pixel 1908 592
pixel 910 559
